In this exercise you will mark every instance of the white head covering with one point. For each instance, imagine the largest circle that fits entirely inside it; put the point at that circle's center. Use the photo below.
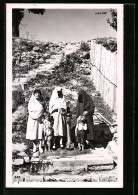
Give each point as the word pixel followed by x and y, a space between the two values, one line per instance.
pixel 54 100
pixel 35 108
pixel 58 88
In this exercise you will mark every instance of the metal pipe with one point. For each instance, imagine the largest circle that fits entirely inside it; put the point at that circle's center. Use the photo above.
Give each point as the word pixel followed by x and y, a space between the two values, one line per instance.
pixel 97 113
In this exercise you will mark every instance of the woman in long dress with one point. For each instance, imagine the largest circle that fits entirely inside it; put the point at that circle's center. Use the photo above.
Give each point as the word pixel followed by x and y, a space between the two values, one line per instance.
pixel 57 109
pixel 85 106
pixel 36 109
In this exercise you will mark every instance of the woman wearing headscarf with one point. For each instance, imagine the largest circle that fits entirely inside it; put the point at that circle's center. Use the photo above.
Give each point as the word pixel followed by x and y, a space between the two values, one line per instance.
pixel 36 109
pixel 57 109
pixel 85 106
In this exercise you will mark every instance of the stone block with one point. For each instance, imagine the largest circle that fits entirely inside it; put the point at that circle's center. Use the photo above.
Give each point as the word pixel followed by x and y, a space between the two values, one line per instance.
pixel 47 60
pixel 100 167
pixel 18 162
pixel 17 87
pixel 50 71
pixel 26 159
pixel 42 68
pixel 20 80
pixel 50 169
pixel 24 86
pixel 35 159
pixel 33 74
pixel 28 76
pixel 38 71
pixel 80 169
pixel 23 154
pixel 36 49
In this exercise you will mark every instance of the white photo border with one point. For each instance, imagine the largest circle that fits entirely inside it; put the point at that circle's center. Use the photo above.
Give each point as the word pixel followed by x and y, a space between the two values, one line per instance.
pixel 119 183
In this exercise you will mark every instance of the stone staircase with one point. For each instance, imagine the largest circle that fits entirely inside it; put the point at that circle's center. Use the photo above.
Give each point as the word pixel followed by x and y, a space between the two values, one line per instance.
pixel 48 66
pixel 62 160
pixel 21 81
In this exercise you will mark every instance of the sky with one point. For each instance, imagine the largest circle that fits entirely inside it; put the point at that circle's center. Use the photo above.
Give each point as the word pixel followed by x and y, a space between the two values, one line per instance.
pixel 64 25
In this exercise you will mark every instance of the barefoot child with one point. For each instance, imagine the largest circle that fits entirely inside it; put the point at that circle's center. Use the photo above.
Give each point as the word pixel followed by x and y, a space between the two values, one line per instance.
pixel 48 132
pixel 81 132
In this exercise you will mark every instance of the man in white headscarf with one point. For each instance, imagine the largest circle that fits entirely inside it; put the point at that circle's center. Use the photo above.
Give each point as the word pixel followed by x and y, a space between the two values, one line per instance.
pixel 57 109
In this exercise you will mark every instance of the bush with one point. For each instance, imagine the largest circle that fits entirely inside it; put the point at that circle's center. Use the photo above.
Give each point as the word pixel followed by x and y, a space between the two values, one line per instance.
pixel 108 43
pixel 18 99
pixel 84 46
pixel 75 58
pixel 53 53
pixel 28 45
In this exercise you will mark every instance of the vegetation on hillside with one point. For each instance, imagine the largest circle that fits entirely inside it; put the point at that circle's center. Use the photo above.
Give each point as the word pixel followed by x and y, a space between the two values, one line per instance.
pixel 113 21
pixel 109 43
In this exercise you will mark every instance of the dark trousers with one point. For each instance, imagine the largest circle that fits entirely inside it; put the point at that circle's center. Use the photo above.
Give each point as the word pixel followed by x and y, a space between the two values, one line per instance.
pixel 81 136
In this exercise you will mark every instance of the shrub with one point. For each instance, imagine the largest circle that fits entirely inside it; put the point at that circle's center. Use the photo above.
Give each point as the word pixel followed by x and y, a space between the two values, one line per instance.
pixel 108 43
pixel 75 57
pixel 84 46
pixel 53 53
pixel 18 98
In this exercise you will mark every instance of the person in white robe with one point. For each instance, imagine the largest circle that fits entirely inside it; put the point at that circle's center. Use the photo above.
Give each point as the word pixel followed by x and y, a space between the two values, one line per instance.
pixel 34 126
pixel 57 109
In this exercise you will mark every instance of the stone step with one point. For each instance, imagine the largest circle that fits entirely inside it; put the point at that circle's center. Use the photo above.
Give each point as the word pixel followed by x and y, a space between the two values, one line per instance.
pixel 67 161
pixel 33 73
pixel 22 84
pixel 16 87
pixel 38 71
pixel 43 65
pixel 42 68
pixel 49 66
pixel 20 80
pixel 56 56
pixel 29 76
pixel 50 71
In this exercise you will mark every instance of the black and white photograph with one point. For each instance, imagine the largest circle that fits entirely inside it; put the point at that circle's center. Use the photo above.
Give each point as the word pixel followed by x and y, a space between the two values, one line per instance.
pixel 64 95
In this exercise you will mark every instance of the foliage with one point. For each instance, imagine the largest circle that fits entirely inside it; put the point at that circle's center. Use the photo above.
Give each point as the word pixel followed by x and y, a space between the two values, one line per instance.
pixel 53 53
pixel 75 57
pixel 37 11
pixel 84 46
pixel 18 98
pixel 108 43
pixel 113 21
pixel 17 16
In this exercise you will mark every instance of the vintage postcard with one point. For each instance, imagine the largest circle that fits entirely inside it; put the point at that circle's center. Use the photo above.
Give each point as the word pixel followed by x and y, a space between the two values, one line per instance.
pixel 64 95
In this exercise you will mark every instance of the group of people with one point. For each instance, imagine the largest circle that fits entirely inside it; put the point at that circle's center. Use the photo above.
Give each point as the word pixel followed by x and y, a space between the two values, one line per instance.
pixel 46 127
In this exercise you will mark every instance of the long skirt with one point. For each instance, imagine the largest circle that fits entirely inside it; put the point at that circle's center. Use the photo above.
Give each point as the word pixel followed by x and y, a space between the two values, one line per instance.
pixel 90 134
pixel 34 129
pixel 59 124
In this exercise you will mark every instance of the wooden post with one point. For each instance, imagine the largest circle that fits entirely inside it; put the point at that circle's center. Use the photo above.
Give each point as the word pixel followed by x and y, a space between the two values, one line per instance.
pixel 68 128
pixel 68 119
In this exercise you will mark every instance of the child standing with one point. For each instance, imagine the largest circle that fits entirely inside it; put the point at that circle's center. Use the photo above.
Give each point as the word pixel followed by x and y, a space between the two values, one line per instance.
pixel 48 132
pixel 81 132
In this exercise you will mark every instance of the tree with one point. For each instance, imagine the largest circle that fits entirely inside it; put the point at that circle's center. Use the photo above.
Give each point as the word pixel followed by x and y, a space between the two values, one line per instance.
pixel 27 35
pixel 113 21
pixel 18 15
pixel 33 36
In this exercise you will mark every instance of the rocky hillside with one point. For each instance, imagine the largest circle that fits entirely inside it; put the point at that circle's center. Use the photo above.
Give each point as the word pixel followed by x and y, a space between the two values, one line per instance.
pixel 28 55
pixel 45 66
